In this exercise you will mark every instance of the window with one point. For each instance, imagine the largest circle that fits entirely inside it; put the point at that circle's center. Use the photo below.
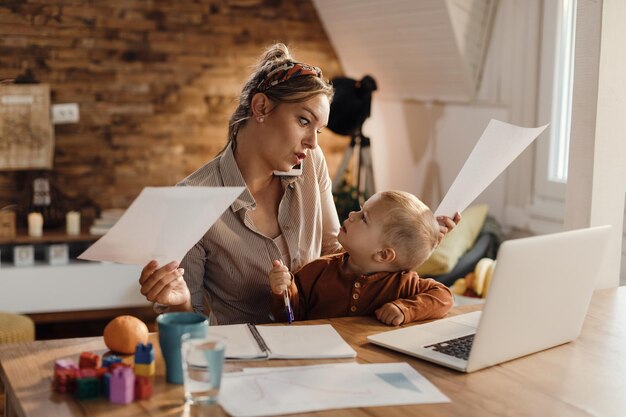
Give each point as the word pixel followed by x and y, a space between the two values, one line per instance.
pixel 562 92
pixel 554 107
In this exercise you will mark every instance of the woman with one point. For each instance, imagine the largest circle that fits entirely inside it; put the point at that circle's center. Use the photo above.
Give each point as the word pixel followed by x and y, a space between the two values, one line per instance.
pixel 283 106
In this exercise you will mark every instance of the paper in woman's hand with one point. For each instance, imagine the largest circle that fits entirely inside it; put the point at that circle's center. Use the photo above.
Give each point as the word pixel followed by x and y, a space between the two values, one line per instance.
pixel 498 146
pixel 163 223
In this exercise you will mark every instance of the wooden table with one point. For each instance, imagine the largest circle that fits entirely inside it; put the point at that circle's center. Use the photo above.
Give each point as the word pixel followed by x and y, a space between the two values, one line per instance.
pixel 584 378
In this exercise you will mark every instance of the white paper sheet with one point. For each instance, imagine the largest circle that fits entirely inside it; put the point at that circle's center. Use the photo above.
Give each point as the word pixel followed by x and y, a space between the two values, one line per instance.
pixel 498 146
pixel 163 223
pixel 287 390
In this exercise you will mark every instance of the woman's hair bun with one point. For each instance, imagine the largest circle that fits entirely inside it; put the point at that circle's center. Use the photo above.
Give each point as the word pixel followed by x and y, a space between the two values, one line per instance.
pixel 277 52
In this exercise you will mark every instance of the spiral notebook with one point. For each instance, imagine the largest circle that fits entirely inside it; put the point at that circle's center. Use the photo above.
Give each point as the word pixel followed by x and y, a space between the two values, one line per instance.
pixel 247 341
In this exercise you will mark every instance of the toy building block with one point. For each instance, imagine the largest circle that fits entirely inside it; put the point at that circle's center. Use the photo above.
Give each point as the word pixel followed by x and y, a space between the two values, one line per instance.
pixel 144 360
pixel 109 360
pixel 144 354
pixel 89 360
pixel 87 388
pixel 64 380
pixel 145 370
pixel 106 384
pixel 122 386
pixel 143 388
pixel 87 373
pixel 116 365
pixel 65 363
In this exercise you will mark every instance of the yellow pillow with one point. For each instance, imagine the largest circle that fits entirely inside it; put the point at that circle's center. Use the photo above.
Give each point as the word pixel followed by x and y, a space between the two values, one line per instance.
pixel 455 243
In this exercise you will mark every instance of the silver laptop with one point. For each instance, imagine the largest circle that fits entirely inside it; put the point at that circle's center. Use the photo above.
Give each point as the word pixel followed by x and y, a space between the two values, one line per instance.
pixel 538 298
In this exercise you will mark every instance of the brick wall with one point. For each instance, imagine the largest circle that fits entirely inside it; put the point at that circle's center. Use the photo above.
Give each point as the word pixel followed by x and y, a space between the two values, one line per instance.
pixel 156 82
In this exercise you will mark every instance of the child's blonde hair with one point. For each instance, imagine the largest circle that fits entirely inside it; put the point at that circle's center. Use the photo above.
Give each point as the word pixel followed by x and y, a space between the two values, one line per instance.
pixel 410 228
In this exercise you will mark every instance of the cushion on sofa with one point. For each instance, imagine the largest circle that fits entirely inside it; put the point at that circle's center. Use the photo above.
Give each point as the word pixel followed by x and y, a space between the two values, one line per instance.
pixel 455 243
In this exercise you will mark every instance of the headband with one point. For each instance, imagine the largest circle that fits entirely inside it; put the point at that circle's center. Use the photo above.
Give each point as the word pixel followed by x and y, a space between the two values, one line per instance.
pixel 286 72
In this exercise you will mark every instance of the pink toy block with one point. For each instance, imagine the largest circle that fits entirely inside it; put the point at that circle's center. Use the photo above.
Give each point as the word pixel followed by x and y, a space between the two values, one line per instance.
pixel 65 363
pixel 117 365
pixel 122 386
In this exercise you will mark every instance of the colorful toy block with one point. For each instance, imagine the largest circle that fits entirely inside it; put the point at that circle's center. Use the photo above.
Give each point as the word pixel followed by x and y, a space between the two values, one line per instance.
pixel 145 370
pixel 144 354
pixel 87 388
pixel 65 363
pixel 144 360
pixel 64 380
pixel 106 383
pixel 117 365
pixel 122 386
pixel 143 388
pixel 87 373
pixel 108 360
pixel 88 360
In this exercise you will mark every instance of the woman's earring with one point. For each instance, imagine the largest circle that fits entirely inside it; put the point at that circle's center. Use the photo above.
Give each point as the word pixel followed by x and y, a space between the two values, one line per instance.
pixel 261 119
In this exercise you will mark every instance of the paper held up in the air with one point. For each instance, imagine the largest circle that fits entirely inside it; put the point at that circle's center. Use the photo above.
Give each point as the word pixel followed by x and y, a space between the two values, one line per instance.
pixel 498 146
pixel 163 223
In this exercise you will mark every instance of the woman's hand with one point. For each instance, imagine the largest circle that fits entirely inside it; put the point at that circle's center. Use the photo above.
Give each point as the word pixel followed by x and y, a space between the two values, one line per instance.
pixel 280 278
pixel 164 285
pixel 390 314
pixel 446 224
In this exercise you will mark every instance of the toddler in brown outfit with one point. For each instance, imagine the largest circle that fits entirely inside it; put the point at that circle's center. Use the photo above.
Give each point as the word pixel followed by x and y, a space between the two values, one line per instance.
pixel 393 233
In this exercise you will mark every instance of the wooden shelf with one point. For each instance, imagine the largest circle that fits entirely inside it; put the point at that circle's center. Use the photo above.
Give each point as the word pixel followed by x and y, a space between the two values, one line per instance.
pixel 49 236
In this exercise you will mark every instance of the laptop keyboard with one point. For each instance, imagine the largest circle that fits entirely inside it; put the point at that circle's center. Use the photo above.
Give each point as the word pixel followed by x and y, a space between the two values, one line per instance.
pixel 459 347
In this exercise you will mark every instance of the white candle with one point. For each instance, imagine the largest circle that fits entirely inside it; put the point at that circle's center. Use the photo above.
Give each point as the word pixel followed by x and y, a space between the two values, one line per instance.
pixel 35 224
pixel 72 223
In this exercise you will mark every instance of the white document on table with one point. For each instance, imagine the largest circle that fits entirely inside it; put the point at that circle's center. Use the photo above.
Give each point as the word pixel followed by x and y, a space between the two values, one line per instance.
pixel 163 223
pixel 498 146
pixel 287 390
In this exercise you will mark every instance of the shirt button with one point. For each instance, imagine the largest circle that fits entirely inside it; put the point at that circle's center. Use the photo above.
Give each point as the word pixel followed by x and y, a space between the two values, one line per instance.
pixel 355 296
pixel 353 309
pixel 291 186
pixel 357 285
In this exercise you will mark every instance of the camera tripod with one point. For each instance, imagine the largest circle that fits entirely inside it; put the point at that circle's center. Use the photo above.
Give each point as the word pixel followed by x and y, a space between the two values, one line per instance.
pixel 364 185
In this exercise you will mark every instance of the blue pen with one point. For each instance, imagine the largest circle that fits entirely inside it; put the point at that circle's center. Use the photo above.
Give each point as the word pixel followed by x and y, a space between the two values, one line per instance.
pixel 288 310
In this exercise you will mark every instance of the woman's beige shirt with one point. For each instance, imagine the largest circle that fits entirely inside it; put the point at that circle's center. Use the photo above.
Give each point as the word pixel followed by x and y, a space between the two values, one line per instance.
pixel 229 266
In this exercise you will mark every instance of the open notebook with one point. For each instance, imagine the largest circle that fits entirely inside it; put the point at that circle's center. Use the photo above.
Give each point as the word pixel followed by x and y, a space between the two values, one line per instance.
pixel 247 341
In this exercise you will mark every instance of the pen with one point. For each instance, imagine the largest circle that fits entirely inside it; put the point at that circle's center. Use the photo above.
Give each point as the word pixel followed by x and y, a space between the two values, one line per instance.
pixel 288 310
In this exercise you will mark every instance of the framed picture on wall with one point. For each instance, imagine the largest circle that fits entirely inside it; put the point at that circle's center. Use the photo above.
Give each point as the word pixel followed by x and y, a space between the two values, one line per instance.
pixel 26 133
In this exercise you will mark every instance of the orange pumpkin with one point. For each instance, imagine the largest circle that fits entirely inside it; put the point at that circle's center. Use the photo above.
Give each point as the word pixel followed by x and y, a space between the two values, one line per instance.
pixel 124 332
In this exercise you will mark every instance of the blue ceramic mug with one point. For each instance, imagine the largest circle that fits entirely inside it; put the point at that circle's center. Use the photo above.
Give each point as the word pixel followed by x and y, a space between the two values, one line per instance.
pixel 171 327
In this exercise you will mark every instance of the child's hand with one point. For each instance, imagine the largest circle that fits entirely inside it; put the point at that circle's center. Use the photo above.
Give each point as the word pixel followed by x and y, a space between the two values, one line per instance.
pixel 446 224
pixel 390 314
pixel 280 278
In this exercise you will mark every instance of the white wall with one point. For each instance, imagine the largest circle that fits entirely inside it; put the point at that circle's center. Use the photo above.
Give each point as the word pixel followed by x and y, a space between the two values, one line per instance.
pixel 423 146
pixel 420 147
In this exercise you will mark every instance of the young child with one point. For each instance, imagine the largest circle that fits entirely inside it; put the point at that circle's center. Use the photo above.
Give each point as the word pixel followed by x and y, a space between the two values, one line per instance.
pixel 393 233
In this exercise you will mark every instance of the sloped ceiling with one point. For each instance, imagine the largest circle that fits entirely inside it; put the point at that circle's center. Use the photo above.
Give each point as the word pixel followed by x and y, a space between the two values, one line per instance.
pixel 415 49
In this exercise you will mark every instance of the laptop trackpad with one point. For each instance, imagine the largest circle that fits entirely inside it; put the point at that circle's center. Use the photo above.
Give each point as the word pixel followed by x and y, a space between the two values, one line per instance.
pixel 449 328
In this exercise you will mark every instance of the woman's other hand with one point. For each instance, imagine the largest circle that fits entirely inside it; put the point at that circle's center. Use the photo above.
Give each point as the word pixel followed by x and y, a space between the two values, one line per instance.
pixel 280 278
pixel 446 224
pixel 165 285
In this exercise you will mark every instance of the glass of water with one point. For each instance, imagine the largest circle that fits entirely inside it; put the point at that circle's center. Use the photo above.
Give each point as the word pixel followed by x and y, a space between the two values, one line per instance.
pixel 203 363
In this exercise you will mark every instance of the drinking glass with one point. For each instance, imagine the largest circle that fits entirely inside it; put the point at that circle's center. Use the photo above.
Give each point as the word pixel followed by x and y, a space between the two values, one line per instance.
pixel 203 363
